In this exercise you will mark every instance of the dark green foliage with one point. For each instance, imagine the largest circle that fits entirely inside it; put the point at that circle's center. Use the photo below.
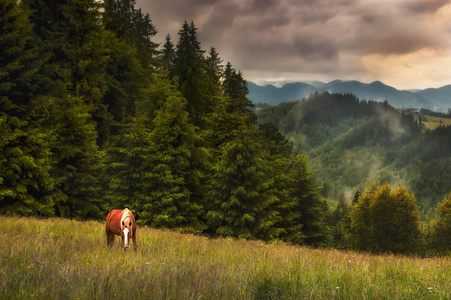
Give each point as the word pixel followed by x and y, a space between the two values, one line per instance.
pixel 130 24
pixel 236 88
pixel 175 179
pixel 189 69
pixel 125 80
pixel 155 164
pixel 79 160
pixel 26 186
pixel 340 222
pixel 167 54
pixel 439 241
pixel 385 221
pixel 310 207
pixel 87 57
pixel 239 192
pixel 78 63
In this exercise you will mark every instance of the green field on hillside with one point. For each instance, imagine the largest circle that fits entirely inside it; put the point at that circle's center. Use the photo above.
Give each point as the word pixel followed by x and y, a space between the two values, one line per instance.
pixel 64 259
pixel 432 122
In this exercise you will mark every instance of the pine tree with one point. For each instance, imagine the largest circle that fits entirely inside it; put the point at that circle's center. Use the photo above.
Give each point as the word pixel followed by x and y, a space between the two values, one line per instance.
pixel 277 157
pixel 79 55
pixel 310 219
pixel 223 123
pixel 235 87
pixel 173 142
pixel 126 79
pixel 127 163
pixel 215 72
pixel 239 192
pixel 167 54
pixel 157 165
pixel 87 57
pixel 189 69
pixel 26 186
pixel 131 25
pixel 73 35
pixel 79 160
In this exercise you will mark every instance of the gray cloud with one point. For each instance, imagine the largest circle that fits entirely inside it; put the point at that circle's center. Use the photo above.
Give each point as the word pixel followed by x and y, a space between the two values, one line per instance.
pixel 425 6
pixel 324 38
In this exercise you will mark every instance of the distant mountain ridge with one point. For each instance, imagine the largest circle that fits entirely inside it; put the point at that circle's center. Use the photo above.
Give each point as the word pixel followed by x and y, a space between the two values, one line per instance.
pixel 435 99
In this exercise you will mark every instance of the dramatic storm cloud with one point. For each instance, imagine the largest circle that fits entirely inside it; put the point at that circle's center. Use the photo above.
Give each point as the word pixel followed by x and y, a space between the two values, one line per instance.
pixel 404 43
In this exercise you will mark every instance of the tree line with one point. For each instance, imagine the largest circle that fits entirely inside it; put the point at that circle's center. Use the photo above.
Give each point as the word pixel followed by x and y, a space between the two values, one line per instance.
pixel 95 115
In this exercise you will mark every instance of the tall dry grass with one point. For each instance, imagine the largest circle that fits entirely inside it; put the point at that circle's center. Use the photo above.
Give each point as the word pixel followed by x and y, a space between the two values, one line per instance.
pixel 64 259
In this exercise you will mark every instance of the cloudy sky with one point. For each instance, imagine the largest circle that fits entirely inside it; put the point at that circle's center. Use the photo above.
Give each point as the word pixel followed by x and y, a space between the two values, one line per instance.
pixel 403 43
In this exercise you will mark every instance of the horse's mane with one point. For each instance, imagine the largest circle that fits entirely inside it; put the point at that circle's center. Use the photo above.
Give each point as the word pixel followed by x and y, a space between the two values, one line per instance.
pixel 125 214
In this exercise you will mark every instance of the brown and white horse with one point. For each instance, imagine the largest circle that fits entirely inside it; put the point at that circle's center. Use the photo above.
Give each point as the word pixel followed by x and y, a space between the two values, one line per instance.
pixel 121 222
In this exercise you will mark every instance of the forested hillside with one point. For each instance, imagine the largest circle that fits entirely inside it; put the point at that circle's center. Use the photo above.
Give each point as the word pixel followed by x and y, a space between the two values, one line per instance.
pixel 352 143
pixel 96 116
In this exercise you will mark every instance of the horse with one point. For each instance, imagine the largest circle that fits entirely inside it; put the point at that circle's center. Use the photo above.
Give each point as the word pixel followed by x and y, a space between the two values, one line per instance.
pixel 121 222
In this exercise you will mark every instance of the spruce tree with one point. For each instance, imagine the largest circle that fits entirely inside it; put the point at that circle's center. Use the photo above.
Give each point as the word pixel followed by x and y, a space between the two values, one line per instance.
pixel 26 186
pixel 235 87
pixel 189 69
pixel 126 79
pixel 157 165
pixel 215 72
pixel 171 203
pixel 310 219
pixel 239 191
pixel 131 25
pixel 79 55
pixel 167 54
pixel 79 160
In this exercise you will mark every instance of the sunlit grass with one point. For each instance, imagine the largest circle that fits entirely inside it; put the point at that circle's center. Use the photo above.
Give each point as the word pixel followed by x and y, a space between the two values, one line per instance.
pixel 432 122
pixel 63 259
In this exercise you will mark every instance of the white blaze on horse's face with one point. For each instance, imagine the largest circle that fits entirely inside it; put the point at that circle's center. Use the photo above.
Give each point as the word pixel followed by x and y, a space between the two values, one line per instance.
pixel 126 227
pixel 126 231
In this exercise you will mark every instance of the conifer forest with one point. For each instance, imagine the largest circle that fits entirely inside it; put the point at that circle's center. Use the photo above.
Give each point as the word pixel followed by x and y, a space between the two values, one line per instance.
pixel 95 115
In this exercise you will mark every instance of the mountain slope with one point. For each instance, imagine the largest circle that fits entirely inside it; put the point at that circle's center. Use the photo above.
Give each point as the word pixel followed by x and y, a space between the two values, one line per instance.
pixel 434 99
pixel 272 95
pixel 354 143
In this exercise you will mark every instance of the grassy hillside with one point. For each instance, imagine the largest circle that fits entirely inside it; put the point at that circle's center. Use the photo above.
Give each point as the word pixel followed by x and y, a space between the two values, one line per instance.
pixel 64 259
pixel 432 122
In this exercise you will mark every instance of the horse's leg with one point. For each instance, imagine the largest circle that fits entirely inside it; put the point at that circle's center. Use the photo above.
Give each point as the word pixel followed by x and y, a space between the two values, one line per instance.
pixel 110 239
pixel 135 246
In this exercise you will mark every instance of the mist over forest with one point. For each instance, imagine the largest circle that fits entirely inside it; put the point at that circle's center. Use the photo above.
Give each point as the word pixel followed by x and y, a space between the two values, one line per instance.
pixel 352 143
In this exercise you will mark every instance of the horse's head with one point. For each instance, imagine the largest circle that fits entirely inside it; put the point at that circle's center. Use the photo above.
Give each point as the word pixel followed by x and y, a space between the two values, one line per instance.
pixel 126 231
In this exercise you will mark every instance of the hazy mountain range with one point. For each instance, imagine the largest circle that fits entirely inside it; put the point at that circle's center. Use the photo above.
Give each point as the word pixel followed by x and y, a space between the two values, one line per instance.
pixel 435 99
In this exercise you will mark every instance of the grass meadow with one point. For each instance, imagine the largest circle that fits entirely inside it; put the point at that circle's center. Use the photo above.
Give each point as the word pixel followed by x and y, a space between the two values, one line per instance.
pixel 433 122
pixel 66 259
